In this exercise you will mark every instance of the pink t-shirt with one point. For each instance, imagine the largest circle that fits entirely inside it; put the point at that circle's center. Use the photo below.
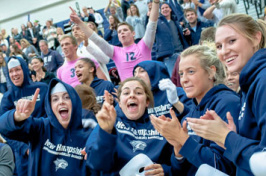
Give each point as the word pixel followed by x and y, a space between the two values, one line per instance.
pixel 127 57
pixel 67 73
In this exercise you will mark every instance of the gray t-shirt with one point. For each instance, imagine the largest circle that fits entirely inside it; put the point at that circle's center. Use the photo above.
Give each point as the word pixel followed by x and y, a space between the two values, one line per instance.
pixel 176 40
pixel 7 164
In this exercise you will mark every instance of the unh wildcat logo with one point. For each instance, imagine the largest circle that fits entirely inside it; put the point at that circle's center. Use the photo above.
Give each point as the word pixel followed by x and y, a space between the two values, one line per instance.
pixel 138 145
pixel 60 164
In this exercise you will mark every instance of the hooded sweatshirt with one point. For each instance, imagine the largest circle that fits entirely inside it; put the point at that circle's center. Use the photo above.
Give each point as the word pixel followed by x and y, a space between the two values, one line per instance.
pixel 99 86
pixel 158 71
pixel 108 153
pixel 196 150
pixel 54 149
pixel 52 60
pixel 251 135
pixel 9 102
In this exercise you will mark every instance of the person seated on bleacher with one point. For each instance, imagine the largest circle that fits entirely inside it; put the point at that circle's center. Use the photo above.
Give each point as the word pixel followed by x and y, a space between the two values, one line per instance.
pixel 130 54
pixel 110 34
pixel 86 17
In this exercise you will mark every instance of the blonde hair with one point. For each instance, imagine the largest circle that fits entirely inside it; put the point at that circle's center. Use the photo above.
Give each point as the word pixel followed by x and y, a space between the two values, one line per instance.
pixel 207 58
pixel 246 26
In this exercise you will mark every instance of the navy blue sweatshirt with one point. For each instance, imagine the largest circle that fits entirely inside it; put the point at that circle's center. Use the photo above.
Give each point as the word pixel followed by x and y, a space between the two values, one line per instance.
pixel 196 150
pixel 52 60
pixel 99 86
pixel 158 71
pixel 54 149
pixel 9 102
pixel 108 153
pixel 251 135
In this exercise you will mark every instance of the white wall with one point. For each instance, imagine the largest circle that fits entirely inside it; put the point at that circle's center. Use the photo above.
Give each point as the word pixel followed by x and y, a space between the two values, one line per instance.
pixel 15 12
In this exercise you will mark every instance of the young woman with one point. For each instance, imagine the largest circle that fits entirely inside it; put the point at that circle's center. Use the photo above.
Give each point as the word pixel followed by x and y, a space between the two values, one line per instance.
pixel 29 50
pixel 240 42
pixel 40 73
pixel 110 34
pixel 86 73
pixel 118 138
pixel 56 141
pixel 93 26
pixel 201 75
pixel 137 21
pixel 15 51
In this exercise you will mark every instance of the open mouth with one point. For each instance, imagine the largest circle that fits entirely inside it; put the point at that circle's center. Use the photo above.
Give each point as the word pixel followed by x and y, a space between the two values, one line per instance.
pixel 132 106
pixel 229 60
pixel 79 76
pixel 63 113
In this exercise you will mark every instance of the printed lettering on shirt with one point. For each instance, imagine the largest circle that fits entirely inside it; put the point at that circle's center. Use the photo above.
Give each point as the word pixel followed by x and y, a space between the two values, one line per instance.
pixel 99 99
pixel 131 56
pixel 28 98
pixel 160 110
pixel 138 145
pixel 63 150
pixel 60 164
pixel 138 133
pixel 45 61
pixel 72 70
pixel 241 114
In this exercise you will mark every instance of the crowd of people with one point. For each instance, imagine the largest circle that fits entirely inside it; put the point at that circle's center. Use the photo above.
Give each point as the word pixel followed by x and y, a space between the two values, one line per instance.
pixel 190 93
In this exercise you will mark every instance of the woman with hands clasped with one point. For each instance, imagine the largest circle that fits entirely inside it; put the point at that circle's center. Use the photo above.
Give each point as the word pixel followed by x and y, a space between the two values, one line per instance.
pixel 56 142
pixel 201 75
pixel 120 137
pixel 240 42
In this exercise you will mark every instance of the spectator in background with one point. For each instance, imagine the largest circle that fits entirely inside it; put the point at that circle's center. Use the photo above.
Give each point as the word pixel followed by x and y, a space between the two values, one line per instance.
pixel 113 8
pixel 232 81
pixel 3 75
pixel 59 34
pixel 170 40
pixel 187 4
pixel 3 40
pixel 5 49
pixel 38 27
pixel 219 9
pixel 201 6
pixel 33 35
pixel 16 35
pixel 194 26
pixel 49 34
pixel 93 26
pixel 86 17
pixel 137 21
pixel 13 41
pixel 52 59
pixel 40 74
pixel 7 164
pixel 15 51
pixel 98 19
pixel 24 32
pixel 28 49
pixel 110 34
pixel 5 35
pixel 142 7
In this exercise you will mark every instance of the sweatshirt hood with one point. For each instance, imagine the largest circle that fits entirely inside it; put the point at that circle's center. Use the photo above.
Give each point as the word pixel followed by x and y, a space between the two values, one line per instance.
pixel 96 81
pixel 253 67
pixel 76 115
pixel 26 73
pixel 156 71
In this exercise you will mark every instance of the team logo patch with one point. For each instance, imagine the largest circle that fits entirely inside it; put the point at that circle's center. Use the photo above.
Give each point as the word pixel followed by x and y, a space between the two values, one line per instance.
pixel 60 164
pixel 138 145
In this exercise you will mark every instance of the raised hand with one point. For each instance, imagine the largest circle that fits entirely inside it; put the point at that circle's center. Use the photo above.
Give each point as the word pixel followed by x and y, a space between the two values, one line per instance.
pixel 25 107
pixel 106 117
pixel 168 86
pixel 74 17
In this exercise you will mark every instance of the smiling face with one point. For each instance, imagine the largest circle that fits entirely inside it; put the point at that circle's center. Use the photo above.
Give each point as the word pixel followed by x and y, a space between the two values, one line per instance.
pixel 191 17
pixel 194 79
pixel 62 107
pixel 133 10
pixel 233 50
pixel 232 80
pixel 133 100
pixel 16 75
pixel 36 64
pixel 125 35
pixel 142 74
pixel 84 71
pixel 166 11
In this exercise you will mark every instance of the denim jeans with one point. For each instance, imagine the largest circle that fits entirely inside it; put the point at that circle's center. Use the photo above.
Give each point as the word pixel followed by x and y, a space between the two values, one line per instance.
pixel 170 62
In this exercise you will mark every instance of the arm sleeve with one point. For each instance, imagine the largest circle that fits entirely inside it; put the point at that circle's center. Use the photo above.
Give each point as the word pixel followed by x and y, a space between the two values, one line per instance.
pixel 119 13
pixel 149 35
pixel 97 53
pixel 239 149
pixel 7 164
pixel 103 45
pixel 59 59
pixel 101 147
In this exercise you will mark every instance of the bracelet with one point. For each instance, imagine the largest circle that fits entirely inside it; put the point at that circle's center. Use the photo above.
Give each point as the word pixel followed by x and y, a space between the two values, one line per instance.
pixel 156 2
